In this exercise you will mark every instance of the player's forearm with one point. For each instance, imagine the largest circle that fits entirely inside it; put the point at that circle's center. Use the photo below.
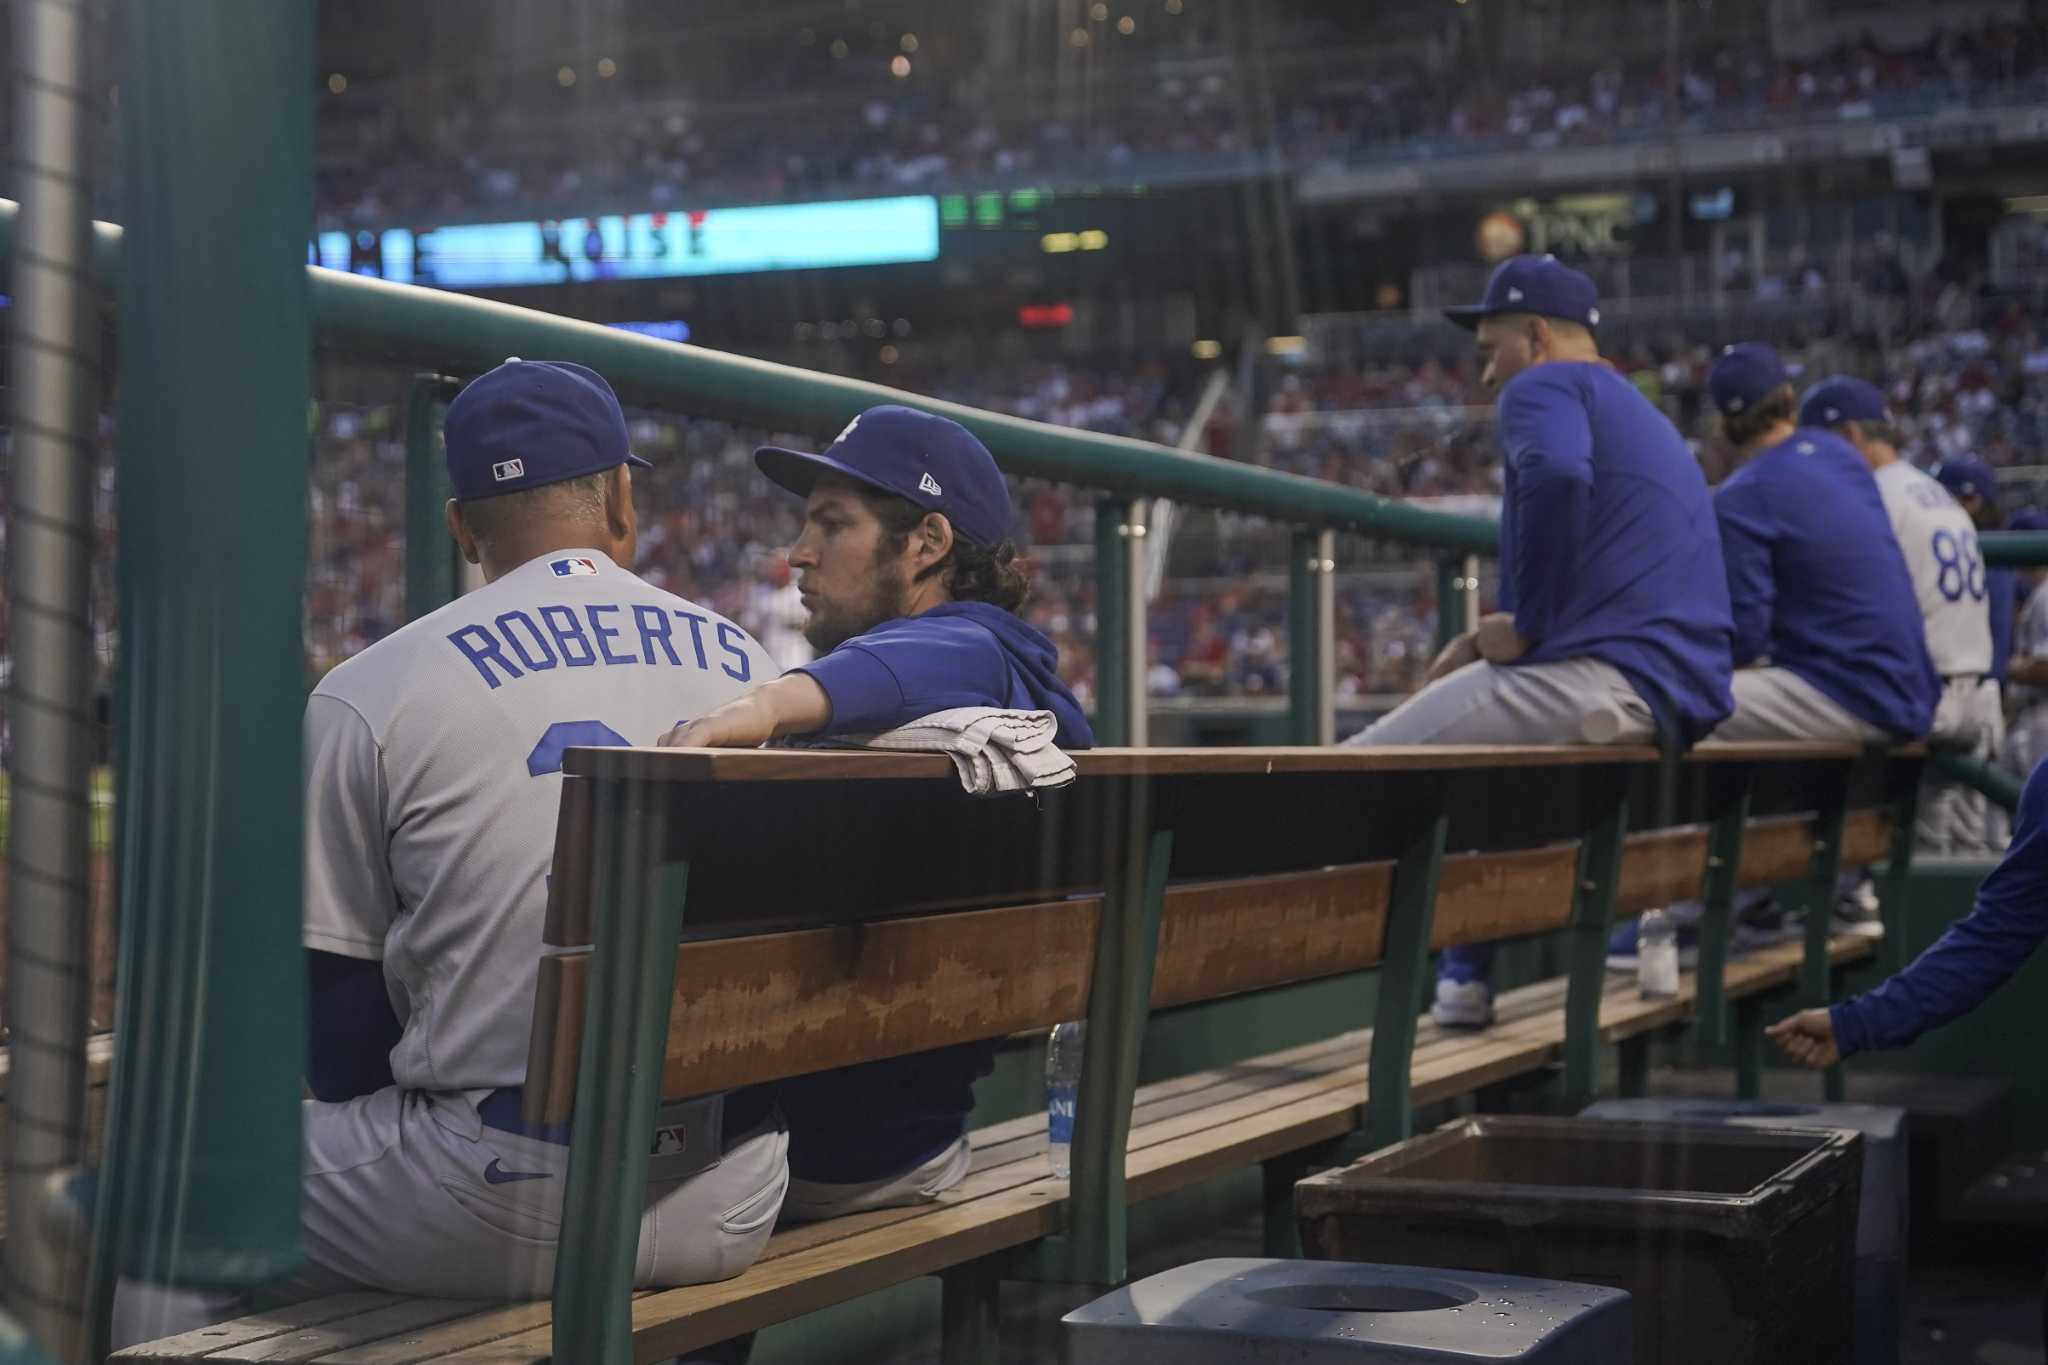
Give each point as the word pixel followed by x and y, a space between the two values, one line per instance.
pixel 793 704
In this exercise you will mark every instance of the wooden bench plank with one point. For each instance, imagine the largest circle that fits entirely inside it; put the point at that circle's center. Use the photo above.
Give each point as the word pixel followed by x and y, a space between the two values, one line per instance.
pixel 314 1342
pixel 767 1006
pixel 801 765
pixel 1482 897
pixel 1228 937
pixel 1659 868
pixel 202 1342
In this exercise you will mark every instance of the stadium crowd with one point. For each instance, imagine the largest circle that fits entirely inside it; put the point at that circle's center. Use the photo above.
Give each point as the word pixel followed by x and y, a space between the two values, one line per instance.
pixel 464 156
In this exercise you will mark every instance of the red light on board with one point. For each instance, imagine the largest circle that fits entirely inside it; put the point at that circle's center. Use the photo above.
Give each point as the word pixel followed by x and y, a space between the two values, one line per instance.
pixel 1045 315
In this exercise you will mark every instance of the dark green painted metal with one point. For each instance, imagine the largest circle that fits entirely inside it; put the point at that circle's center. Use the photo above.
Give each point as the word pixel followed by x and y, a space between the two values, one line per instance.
pixel 639 905
pixel 1450 600
pixel 1304 639
pixel 1897 887
pixel 1816 974
pixel 1996 783
pixel 1119 999
pixel 1633 1080
pixel 971 1312
pixel 2021 549
pixel 1404 983
pixel 433 564
pixel 215 344
pixel 1724 862
pixel 1748 1046
pixel 1113 587
pixel 432 327
pixel 1586 949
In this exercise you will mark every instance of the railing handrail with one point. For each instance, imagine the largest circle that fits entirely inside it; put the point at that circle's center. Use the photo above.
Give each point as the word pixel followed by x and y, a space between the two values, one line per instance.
pixel 450 330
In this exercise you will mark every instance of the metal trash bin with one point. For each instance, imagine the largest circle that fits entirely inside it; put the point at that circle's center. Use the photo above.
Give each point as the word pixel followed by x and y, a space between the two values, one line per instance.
pixel 1737 1244
pixel 1239 1311
pixel 1882 1213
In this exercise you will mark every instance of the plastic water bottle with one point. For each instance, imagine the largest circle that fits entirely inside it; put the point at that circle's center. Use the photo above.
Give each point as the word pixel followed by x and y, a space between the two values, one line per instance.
pixel 1656 956
pixel 1062 1086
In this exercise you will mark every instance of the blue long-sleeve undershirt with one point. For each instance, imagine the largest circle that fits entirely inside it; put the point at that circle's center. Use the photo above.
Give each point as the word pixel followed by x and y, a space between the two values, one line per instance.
pixel 1976 955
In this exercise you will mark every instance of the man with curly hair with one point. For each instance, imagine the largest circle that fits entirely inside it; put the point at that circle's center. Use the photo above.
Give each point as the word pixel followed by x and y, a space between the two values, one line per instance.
pixel 906 567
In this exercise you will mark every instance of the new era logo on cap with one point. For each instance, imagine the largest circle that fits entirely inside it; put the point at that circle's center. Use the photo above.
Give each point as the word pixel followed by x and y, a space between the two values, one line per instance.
pixel 930 485
pixel 577 566
pixel 1514 296
pixel 508 469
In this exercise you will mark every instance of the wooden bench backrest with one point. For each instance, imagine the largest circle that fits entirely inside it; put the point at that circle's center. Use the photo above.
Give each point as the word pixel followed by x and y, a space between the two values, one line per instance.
pixel 1004 938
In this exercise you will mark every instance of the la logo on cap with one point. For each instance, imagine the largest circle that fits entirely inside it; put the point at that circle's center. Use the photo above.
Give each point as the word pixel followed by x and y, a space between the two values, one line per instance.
pixel 930 485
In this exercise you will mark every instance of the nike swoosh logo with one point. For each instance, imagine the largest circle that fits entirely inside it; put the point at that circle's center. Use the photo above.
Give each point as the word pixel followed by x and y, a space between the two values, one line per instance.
pixel 498 1175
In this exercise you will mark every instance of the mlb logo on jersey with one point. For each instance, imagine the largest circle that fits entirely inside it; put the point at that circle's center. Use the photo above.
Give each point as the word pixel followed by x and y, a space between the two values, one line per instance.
pixel 578 566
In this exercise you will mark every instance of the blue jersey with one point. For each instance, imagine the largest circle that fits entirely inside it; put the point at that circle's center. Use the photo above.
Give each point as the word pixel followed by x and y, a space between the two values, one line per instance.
pixel 878 1119
pixel 1976 955
pixel 1608 544
pixel 1819 585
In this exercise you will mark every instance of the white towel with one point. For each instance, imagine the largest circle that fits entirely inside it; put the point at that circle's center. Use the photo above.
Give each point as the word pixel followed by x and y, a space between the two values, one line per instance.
pixel 993 750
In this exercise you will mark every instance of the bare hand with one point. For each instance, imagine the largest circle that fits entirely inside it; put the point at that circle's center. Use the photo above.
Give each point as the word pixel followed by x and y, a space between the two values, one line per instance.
pixel 1498 640
pixel 736 725
pixel 1455 655
pixel 1808 1038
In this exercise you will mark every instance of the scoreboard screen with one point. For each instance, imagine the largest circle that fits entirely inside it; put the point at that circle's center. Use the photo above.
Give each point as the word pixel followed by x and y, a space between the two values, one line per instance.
pixel 643 245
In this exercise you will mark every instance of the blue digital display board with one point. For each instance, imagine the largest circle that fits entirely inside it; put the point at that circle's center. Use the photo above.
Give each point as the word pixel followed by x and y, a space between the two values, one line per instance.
pixel 644 245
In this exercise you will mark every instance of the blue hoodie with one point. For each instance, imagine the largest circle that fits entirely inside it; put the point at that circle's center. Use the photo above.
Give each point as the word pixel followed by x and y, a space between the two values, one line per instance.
pixel 1608 548
pixel 880 1119
pixel 956 654
pixel 1975 955
pixel 1819 584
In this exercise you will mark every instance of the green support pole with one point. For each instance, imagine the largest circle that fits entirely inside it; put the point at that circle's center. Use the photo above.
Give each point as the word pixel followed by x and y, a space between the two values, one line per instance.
pixel 1305 578
pixel 1119 1000
pixel 1749 1047
pixel 639 905
pixel 1404 983
pixel 1450 600
pixel 1633 1079
pixel 1898 872
pixel 1592 919
pixel 1816 972
pixel 1113 587
pixel 1718 887
pixel 433 566
pixel 201 1183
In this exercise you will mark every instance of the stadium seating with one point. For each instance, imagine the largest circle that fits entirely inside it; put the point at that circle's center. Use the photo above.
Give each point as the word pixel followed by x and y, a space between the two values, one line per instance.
pixel 1161 878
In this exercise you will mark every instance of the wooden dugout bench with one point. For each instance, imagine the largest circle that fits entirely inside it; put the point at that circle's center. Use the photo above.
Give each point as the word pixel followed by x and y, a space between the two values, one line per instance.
pixel 731 917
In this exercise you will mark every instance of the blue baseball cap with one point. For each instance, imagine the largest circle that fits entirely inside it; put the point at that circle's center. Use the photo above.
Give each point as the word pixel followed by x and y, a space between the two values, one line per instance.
pixel 530 423
pixel 1744 375
pixel 1962 477
pixel 931 461
pixel 1542 285
pixel 1838 399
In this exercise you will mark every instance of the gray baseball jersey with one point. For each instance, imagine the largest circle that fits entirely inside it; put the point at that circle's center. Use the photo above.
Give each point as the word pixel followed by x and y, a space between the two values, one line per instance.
pixel 2030 641
pixel 433 774
pixel 1940 545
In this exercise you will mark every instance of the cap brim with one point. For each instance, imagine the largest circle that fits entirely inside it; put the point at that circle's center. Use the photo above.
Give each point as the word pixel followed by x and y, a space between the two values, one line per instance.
pixel 637 462
pixel 1468 315
pixel 799 471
